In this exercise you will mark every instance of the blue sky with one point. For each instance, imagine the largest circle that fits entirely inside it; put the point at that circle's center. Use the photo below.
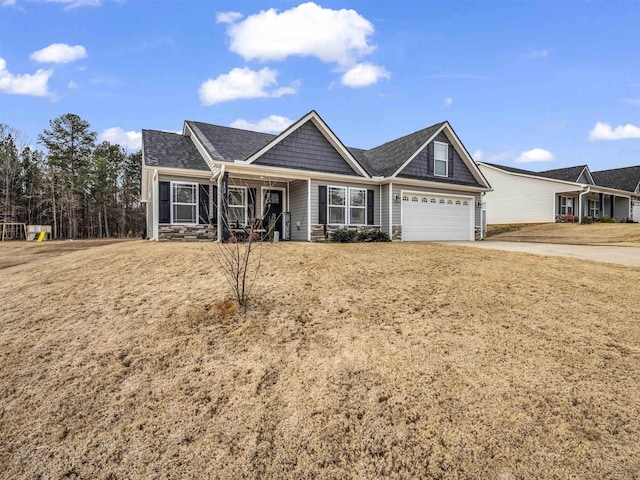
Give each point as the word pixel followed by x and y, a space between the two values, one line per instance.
pixel 537 84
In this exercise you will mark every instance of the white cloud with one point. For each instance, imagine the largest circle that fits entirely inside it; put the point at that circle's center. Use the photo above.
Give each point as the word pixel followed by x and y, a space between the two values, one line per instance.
pixel 72 85
pixel 59 53
pixel 228 17
pixel 363 75
pixel 7 3
pixel 632 101
pixel 447 101
pixel 603 131
pixel 242 83
pixel 69 4
pixel 130 140
pixel 539 54
pixel 332 36
pixel 270 124
pixel 482 156
pixel 535 155
pixel 24 84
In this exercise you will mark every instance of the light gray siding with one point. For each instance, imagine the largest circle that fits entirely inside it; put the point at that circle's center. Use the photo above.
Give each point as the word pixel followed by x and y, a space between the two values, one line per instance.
pixel 306 149
pixel 298 199
pixel 397 205
pixel 384 220
pixel 314 197
pixel 418 167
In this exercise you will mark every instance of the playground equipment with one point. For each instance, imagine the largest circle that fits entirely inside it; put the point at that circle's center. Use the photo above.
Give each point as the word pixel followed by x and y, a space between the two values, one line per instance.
pixel 38 233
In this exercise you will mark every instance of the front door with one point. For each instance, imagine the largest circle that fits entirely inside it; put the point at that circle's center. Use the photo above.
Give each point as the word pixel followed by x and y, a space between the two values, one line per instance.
pixel 273 211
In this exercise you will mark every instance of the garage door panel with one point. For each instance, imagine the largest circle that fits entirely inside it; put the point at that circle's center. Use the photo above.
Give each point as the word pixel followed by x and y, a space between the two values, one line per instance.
pixel 635 212
pixel 436 218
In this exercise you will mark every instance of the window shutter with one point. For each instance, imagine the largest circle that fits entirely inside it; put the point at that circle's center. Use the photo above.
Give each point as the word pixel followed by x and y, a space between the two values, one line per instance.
pixel 322 204
pixel 251 202
pixel 214 211
pixel 203 204
pixel 450 150
pixel 370 211
pixel 164 215
pixel 559 205
pixel 430 159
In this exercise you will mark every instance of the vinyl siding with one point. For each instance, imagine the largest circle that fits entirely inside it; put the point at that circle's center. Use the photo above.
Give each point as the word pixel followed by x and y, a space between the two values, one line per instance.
pixel 385 209
pixel 314 197
pixel 397 205
pixel 518 199
pixel 299 212
pixel 418 167
pixel 584 179
pixel 306 149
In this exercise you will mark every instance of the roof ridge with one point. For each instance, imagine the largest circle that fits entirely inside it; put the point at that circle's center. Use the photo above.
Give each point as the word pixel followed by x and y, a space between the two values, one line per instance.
pixel 406 136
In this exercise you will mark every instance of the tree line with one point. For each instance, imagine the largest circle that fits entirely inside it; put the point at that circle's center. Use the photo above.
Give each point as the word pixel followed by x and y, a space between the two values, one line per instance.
pixel 80 188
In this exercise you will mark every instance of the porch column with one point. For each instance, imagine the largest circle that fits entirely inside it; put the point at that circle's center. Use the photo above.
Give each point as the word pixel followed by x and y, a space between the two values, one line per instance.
pixel 601 208
pixel 613 206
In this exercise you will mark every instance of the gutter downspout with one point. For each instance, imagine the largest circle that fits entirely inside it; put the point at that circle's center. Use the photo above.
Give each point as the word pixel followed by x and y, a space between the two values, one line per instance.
pixel 482 220
pixel 219 200
pixel 580 202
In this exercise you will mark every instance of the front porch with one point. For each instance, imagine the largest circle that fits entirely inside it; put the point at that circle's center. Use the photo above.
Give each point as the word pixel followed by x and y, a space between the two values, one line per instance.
pixel 574 206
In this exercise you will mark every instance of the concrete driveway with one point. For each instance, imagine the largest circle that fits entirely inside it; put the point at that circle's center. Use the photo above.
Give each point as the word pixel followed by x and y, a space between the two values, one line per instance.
pixel 628 256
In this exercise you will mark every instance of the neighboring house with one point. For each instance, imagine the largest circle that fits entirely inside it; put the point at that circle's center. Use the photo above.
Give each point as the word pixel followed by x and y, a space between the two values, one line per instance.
pixel 628 179
pixel 523 196
pixel 424 186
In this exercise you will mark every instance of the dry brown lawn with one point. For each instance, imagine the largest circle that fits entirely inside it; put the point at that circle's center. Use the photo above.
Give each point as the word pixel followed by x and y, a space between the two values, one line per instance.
pixel 576 234
pixel 355 361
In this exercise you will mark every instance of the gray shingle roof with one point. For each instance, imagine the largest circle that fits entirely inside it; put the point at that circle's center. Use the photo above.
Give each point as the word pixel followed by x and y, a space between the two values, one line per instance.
pixel 231 144
pixel 512 169
pixel 626 178
pixel 568 174
pixel 166 149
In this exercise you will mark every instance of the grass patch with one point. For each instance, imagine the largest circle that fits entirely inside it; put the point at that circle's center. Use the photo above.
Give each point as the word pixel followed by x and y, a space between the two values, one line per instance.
pixel 356 360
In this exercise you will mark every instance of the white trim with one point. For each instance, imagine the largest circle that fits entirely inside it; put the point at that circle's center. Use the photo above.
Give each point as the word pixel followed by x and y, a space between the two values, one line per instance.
pixel 446 160
pixel 391 210
pixel 197 204
pixel 198 144
pixel 309 209
pixel 156 206
pixel 365 207
pixel 415 154
pixel 379 206
pixel 586 168
pixel 246 203
pixel 472 206
pixel 346 204
pixel 326 132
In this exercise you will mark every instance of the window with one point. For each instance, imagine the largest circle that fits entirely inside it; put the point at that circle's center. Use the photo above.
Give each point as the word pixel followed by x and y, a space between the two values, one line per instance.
pixel 449 202
pixel 357 206
pixel 457 202
pixel 594 208
pixel 441 200
pixel 566 206
pixel 425 200
pixel 440 159
pixel 184 199
pixel 337 204
pixel 414 199
pixel 237 205
pixel 405 199
pixel 465 203
pixel 433 200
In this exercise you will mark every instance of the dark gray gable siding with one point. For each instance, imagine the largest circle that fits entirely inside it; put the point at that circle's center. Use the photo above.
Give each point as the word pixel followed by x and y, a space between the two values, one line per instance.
pixel 418 167
pixel 306 149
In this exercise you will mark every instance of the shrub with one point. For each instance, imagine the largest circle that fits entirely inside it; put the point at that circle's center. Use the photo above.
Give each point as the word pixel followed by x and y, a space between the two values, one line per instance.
pixel 344 236
pixel 373 236
pixel 350 236
pixel 606 220
pixel 586 220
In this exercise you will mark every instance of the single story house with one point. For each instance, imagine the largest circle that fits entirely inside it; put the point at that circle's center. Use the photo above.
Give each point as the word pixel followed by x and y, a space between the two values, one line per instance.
pixel 627 179
pixel 524 196
pixel 421 187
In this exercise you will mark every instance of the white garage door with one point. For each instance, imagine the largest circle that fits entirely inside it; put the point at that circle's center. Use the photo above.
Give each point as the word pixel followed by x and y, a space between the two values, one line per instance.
pixel 434 217
pixel 635 213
